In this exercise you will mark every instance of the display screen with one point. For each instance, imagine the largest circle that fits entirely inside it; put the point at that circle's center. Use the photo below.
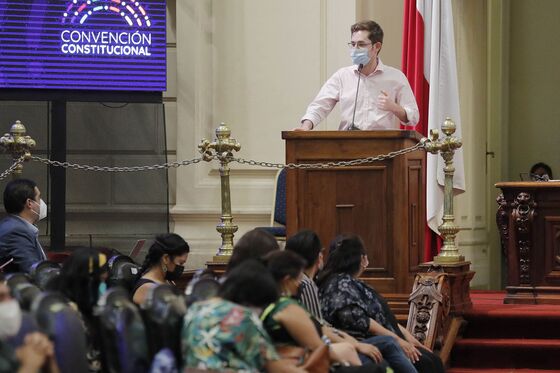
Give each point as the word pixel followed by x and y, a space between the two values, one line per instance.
pixel 106 45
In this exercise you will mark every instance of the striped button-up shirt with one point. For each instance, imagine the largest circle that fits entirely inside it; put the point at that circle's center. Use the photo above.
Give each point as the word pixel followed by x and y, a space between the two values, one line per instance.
pixel 309 297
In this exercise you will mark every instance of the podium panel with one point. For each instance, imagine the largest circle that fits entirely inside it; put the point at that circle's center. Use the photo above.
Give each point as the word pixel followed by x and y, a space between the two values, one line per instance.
pixel 383 202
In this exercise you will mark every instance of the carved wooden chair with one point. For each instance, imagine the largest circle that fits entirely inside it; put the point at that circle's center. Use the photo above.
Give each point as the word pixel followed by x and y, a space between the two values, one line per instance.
pixel 429 307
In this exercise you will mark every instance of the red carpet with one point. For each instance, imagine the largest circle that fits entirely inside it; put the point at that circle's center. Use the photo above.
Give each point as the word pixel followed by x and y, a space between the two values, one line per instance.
pixel 508 338
pixel 459 370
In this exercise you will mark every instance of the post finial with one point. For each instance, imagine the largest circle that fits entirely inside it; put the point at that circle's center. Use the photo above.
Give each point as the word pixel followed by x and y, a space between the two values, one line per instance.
pixel 19 144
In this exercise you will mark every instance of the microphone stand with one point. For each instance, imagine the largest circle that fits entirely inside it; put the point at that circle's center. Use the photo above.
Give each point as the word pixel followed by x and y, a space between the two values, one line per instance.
pixel 352 126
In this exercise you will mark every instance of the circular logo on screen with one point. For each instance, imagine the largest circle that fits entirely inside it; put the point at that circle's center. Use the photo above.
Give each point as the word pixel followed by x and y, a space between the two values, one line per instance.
pixel 131 12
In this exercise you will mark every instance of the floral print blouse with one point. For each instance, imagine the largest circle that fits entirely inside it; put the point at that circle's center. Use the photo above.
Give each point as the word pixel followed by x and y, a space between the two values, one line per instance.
pixel 348 304
pixel 221 335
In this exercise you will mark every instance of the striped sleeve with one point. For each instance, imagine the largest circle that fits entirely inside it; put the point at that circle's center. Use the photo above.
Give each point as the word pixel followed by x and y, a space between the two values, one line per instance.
pixel 309 298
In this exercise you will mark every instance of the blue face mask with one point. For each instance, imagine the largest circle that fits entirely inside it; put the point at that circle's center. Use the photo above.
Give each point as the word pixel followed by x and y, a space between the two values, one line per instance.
pixel 102 288
pixel 360 56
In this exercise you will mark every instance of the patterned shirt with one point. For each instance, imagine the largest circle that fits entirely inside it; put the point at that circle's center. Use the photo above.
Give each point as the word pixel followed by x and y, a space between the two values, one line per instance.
pixel 218 334
pixel 349 304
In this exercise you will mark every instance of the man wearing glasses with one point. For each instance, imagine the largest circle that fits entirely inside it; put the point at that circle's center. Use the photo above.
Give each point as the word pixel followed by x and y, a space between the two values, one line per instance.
pixel 372 95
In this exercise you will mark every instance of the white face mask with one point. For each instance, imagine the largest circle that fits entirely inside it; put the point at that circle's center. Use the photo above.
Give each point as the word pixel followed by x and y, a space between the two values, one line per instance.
pixel 42 209
pixel 10 318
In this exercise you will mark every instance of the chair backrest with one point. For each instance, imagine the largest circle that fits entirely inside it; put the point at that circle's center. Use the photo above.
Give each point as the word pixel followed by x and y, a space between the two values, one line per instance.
pixel 43 272
pixel 279 204
pixel 64 327
pixel 16 278
pixel 25 294
pixel 123 334
pixel 163 312
pixel 22 289
pixel 164 362
pixel 204 285
pixel 123 272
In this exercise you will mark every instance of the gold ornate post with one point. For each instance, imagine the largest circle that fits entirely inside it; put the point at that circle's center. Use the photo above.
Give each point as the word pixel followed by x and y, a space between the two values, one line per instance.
pixel 457 269
pixel 222 148
pixel 18 143
pixel 446 147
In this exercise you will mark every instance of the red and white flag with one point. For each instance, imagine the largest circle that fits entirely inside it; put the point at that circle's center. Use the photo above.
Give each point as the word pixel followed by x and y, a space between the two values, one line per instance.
pixel 429 63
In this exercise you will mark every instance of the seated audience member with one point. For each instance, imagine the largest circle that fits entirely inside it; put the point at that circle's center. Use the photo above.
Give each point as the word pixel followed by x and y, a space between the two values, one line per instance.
pixel 82 280
pixel 288 323
pixel 34 354
pixel 224 332
pixel 164 264
pixel 19 237
pixel 541 172
pixel 254 244
pixel 350 304
pixel 307 244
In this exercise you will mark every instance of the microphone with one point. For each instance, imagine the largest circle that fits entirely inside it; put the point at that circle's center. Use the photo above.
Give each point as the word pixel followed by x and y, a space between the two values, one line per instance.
pixel 352 126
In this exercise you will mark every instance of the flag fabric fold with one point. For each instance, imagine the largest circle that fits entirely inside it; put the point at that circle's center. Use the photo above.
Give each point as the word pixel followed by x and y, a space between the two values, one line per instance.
pixel 429 62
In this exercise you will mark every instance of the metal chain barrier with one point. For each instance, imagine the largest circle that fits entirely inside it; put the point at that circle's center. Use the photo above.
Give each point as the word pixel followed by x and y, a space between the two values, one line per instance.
pixel 176 164
pixel 354 162
pixel 12 168
pixel 76 166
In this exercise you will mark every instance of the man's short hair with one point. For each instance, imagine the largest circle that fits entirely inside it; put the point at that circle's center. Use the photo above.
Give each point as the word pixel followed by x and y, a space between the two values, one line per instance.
pixel 307 244
pixel 375 31
pixel 16 193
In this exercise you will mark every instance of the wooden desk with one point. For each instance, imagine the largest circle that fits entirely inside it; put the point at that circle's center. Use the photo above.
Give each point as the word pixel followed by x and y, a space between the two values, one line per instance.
pixel 528 219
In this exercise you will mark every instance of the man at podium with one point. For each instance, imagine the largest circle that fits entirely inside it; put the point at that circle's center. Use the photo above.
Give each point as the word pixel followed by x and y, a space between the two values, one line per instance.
pixel 372 95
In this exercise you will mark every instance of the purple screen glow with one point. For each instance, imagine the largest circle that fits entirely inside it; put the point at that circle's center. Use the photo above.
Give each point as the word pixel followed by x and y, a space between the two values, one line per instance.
pixel 115 45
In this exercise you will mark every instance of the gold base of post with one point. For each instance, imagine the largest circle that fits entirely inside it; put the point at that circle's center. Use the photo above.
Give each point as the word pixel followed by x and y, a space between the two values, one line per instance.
pixel 446 259
pixel 221 258
pixel 460 276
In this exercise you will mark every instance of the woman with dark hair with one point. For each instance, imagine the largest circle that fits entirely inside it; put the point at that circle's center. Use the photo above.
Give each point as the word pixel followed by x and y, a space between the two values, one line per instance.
pixel 224 333
pixel 541 172
pixel 254 244
pixel 82 280
pixel 351 305
pixel 287 322
pixel 164 264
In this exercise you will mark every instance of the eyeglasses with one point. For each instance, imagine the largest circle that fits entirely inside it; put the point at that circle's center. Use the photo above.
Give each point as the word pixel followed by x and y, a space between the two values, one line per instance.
pixel 359 44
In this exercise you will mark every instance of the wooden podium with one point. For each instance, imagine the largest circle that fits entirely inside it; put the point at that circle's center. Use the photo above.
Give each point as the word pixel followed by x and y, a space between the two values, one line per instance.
pixel 383 202
pixel 528 219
